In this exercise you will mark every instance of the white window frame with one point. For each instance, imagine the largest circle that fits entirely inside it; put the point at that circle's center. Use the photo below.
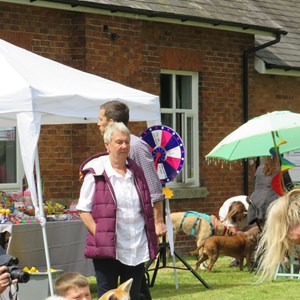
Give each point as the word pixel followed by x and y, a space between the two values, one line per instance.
pixel 16 186
pixel 194 112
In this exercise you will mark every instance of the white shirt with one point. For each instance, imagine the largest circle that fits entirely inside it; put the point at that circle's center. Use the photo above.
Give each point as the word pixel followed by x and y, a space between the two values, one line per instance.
pixel 225 208
pixel 132 244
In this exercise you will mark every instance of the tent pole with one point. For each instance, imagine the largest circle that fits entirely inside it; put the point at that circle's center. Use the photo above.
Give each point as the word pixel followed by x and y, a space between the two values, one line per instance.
pixel 43 221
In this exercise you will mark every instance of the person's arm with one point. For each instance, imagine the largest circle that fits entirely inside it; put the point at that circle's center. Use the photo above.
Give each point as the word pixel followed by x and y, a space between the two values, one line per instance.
pixel 160 226
pixel 84 205
pixel 88 221
pixel 140 153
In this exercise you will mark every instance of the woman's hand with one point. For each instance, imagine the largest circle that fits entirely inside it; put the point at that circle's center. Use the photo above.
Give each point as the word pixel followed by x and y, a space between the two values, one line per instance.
pixel 160 228
pixel 233 230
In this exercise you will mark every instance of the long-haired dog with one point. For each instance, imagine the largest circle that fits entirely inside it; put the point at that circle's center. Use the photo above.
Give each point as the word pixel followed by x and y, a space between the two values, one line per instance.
pixel 196 224
pixel 239 246
pixel 122 292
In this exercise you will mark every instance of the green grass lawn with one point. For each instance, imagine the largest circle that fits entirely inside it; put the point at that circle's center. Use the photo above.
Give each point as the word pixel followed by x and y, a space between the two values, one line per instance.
pixel 225 283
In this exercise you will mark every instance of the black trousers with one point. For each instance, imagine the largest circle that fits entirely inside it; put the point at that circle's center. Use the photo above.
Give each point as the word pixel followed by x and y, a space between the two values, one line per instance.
pixel 145 291
pixel 110 273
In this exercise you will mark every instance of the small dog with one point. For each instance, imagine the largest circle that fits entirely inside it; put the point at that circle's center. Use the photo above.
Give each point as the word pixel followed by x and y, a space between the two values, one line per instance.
pixel 122 292
pixel 239 246
pixel 199 225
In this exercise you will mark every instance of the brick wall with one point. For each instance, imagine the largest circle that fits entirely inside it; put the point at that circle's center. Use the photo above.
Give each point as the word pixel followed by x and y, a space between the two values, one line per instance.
pixel 135 59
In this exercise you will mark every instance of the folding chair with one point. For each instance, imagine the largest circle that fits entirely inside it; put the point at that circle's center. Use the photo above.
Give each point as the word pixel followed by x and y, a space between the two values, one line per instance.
pixel 288 269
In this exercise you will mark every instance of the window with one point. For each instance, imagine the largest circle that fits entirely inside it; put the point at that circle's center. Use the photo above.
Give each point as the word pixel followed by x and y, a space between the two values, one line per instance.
pixel 179 110
pixel 10 166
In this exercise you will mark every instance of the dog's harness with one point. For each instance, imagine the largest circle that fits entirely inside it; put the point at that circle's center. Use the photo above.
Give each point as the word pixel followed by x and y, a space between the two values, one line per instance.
pixel 212 224
pixel 198 217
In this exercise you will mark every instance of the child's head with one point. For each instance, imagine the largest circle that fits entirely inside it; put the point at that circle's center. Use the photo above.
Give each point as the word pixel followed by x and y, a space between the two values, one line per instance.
pixel 73 285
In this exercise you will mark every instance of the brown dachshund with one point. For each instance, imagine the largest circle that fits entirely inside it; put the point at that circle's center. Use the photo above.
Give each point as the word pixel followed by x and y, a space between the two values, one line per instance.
pixel 239 246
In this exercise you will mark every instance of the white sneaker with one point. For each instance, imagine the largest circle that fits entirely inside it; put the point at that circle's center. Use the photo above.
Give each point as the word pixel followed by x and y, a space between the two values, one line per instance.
pixel 203 266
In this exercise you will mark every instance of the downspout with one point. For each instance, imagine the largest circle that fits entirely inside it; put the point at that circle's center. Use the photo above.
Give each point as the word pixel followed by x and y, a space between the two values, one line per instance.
pixel 246 94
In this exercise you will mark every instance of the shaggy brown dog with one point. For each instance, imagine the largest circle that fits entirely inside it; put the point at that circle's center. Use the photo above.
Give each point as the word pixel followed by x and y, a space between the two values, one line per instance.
pixel 239 246
pixel 201 226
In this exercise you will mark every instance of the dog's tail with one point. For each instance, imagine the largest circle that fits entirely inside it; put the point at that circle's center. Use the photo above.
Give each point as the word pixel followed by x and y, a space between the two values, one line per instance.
pixel 197 251
pixel 194 252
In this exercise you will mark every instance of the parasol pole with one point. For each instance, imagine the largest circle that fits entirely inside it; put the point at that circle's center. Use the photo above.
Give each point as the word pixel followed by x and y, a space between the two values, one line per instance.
pixel 170 237
pixel 278 159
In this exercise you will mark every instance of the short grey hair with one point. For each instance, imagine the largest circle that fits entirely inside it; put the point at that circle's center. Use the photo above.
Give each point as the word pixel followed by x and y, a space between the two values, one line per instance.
pixel 114 127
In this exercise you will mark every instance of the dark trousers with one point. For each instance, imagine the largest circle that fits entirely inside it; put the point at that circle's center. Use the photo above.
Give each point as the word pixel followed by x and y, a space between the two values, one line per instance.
pixel 110 271
pixel 145 291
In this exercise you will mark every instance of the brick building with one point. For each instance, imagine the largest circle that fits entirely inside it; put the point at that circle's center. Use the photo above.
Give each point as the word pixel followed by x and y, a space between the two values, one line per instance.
pixel 206 55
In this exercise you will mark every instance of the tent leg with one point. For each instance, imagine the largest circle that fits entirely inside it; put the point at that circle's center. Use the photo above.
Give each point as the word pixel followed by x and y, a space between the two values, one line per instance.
pixel 43 222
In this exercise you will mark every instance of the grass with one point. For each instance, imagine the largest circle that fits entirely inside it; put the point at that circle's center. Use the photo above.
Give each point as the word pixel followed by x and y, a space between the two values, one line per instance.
pixel 225 283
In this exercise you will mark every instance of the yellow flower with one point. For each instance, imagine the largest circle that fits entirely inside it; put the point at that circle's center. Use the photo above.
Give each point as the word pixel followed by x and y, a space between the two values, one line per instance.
pixel 168 193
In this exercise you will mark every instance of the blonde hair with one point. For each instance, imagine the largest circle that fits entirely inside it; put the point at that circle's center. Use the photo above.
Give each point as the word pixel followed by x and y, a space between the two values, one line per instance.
pixel 236 207
pixel 274 244
pixel 70 280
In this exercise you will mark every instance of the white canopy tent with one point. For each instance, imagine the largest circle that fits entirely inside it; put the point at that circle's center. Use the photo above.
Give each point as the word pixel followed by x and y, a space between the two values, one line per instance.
pixel 36 91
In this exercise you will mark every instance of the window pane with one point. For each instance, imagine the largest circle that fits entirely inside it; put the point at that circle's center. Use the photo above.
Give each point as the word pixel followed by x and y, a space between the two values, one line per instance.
pixel 183 91
pixel 180 131
pixel 166 91
pixel 179 124
pixel 189 148
pixel 167 119
pixel 8 155
pixel 179 110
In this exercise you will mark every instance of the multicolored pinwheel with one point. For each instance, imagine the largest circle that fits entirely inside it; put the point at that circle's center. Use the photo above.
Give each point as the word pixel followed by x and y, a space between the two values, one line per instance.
pixel 285 165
